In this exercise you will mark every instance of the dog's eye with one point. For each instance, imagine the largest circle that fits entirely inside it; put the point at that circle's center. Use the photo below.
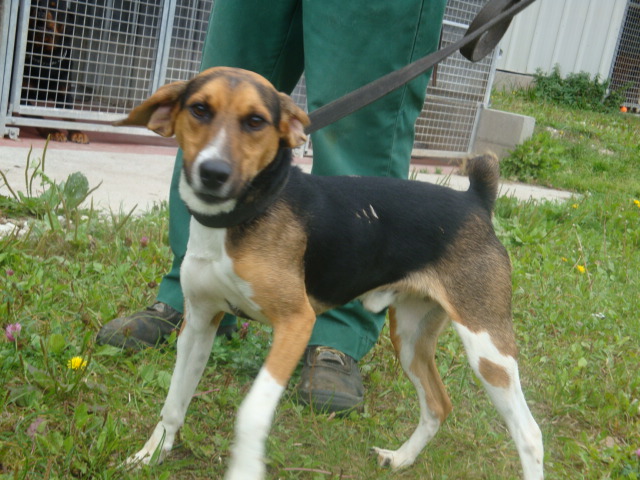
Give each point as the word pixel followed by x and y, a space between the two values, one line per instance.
pixel 200 111
pixel 254 122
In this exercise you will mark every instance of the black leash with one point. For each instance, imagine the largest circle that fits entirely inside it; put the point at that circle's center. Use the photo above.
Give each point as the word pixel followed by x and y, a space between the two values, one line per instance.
pixel 481 38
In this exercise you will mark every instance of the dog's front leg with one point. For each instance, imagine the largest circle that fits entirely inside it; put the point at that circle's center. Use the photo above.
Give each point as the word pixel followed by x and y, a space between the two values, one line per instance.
pixel 193 350
pixel 290 337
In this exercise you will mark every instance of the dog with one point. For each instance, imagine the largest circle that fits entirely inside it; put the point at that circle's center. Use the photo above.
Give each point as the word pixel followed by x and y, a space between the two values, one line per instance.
pixel 48 62
pixel 281 246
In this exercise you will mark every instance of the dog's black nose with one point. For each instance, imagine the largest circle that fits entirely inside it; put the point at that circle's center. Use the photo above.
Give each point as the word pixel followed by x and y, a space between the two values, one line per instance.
pixel 214 173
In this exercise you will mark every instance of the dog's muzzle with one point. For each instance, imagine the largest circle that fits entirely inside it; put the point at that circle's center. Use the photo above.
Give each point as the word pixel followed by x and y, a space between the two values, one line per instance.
pixel 212 184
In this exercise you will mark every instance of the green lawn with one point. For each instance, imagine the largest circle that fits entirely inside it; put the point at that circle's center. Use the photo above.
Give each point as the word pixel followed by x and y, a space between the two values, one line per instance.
pixel 577 317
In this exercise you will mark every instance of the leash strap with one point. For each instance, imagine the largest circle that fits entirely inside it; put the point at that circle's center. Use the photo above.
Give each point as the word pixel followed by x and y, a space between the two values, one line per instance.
pixel 481 38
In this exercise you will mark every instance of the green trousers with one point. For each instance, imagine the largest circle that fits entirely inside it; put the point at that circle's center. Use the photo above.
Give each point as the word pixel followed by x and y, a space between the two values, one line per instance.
pixel 340 45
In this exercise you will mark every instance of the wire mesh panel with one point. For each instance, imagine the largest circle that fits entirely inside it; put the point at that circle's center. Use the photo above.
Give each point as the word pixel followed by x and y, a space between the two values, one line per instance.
pixel 93 61
pixel 457 89
pixel 88 59
pixel 187 38
pixel 625 72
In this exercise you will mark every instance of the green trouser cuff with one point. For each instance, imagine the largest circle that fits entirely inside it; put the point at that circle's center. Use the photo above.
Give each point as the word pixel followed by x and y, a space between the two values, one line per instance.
pixel 350 329
pixel 170 291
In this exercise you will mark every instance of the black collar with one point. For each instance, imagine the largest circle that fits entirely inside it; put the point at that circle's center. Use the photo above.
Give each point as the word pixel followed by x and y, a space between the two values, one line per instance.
pixel 256 197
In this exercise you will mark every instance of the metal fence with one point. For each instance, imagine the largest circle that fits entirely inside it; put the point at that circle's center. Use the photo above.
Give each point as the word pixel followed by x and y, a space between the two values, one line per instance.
pixel 108 56
pixel 625 70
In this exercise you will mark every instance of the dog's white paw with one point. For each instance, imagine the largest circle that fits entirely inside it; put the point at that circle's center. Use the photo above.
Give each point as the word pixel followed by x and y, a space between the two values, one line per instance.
pixel 153 452
pixel 391 458
pixel 147 457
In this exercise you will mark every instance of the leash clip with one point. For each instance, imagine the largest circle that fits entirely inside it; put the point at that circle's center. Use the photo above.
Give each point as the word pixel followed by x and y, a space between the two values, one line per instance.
pixel 482 46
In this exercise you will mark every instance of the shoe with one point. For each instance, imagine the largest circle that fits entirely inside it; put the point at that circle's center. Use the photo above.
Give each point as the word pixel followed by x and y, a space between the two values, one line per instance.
pixel 148 328
pixel 330 381
pixel 142 329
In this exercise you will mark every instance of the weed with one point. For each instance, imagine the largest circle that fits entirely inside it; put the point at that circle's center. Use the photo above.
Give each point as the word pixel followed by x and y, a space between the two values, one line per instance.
pixel 536 158
pixel 55 198
pixel 576 90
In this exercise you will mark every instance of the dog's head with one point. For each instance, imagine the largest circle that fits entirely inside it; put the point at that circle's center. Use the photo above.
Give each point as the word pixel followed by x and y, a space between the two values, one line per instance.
pixel 230 124
pixel 49 24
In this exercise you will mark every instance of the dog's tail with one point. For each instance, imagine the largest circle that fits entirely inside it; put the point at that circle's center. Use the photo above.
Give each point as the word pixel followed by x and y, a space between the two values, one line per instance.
pixel 484 172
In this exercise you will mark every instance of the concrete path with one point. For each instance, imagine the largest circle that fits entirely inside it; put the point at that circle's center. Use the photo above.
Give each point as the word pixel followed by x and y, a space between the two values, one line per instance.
pixel 135 173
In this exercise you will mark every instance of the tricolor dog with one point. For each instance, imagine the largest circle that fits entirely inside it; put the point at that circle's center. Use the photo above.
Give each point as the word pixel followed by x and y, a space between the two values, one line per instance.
pixel 281 246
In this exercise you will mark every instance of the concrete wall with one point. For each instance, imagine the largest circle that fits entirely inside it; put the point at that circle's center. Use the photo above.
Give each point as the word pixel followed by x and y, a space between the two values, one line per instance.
pixel 500 132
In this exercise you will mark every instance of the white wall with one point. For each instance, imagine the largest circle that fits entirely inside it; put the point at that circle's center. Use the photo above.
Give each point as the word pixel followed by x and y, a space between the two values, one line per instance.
pixel 578 35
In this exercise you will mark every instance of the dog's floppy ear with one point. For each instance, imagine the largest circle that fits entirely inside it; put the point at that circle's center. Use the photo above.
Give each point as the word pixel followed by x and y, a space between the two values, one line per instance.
pixel 158 111
pixel 292 122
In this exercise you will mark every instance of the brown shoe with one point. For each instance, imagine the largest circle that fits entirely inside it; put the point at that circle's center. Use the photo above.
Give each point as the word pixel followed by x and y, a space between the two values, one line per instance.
pixel 142 329
pixel 330 381
pixel 148 328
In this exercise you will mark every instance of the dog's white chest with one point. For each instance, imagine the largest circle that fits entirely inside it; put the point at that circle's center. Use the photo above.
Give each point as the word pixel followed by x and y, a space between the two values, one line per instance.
pixel 208 278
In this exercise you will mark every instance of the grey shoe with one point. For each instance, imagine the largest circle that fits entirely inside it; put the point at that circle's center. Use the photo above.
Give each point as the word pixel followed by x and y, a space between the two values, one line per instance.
pixel 142 329
pixel 330 381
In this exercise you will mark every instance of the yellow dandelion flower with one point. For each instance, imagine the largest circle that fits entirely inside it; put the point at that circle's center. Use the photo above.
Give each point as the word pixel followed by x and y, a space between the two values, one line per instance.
pixel 581 268
pixel 636 202
pixel 575 205
pixel 77 363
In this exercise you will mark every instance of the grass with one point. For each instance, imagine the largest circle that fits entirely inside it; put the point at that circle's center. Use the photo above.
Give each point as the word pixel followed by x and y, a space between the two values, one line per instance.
pixel 576 281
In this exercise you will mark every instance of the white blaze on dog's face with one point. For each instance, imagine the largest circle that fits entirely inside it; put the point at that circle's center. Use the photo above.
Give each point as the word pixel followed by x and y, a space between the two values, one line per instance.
pixel 229 123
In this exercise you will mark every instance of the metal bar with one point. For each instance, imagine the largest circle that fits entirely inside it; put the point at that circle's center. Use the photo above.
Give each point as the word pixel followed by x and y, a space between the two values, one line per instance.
pixel 445 154
pixel 88 126
pixel 9 20
pixel 164 44
pixel 451 23
pixel 70 114
pixel 20 49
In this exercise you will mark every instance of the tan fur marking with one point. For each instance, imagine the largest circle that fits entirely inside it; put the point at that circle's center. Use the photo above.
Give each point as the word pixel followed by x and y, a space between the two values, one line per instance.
pixel 318 306
pixel 472 283
pixel 290 338
pixel 158 111
pixel 476 275
pixel 393 331
pixel 184 322
pixel 493 373
pixel 217 319
pixel 270 258
pixel 424 367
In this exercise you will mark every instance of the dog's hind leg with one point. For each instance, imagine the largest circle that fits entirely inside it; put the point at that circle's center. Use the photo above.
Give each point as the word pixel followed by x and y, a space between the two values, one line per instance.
pixel 498 372
pixel 193 350
pixel 415 327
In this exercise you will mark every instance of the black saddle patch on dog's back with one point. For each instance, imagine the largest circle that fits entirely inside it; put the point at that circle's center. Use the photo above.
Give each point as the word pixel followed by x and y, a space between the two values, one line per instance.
pixel 367 232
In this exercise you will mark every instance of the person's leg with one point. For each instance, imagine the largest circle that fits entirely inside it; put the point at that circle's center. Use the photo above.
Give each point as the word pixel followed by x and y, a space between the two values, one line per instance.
pixel 170 291
pixel 348 44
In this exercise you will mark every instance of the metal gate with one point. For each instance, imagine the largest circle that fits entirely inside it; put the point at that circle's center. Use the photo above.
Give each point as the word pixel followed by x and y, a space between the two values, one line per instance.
pixel 108 56
pixel 625 71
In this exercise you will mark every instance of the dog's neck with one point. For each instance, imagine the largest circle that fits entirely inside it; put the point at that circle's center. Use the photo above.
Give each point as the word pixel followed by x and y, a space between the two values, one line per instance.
pixel 259 194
